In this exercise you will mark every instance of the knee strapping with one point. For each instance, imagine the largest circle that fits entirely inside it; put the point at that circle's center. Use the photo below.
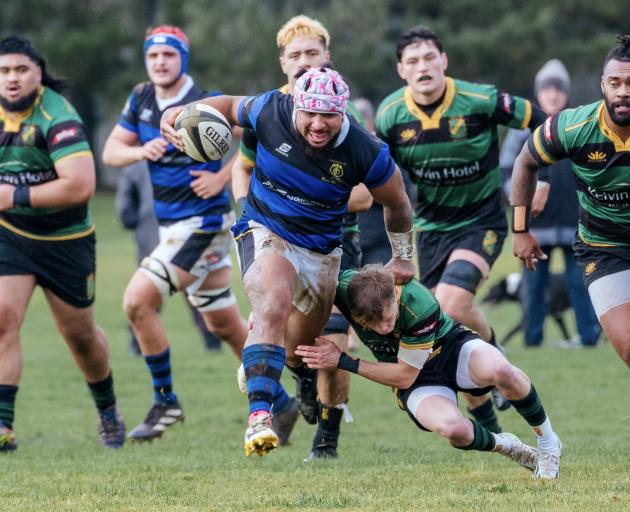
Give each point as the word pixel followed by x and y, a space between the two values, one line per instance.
pixel 162 274
pixel 336 324
pixel 212 300
pixel 463 274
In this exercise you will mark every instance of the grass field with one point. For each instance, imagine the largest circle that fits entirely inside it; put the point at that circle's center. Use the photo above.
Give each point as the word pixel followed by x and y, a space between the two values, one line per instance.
pixel 385 463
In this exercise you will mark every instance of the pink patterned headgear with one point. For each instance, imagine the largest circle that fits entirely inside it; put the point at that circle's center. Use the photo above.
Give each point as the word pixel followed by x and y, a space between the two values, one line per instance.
pixel 321 90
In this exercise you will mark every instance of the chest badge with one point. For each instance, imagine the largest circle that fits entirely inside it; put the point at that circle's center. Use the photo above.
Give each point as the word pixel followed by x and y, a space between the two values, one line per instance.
pixel 457 127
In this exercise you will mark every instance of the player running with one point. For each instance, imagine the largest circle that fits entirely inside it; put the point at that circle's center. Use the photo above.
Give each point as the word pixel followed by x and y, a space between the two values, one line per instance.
pixel 596 139
pixel 310 155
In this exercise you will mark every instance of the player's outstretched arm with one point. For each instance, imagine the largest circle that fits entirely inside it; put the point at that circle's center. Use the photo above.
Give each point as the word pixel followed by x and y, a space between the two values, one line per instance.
pixel 325 355
pixel 524 178
pixel 399 225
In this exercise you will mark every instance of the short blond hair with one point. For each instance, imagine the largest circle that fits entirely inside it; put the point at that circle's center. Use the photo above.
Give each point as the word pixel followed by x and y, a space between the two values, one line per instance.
pixel 300 26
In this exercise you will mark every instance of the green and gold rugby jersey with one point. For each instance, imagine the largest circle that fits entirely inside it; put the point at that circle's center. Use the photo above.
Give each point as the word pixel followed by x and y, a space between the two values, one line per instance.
pixel 420 325
pixel 601 164
pixel 453 153
pixel 30 146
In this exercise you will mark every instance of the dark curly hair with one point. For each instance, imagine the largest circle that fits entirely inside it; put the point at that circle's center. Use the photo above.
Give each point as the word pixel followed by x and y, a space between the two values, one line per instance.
pixel 22 46
pixel 621 52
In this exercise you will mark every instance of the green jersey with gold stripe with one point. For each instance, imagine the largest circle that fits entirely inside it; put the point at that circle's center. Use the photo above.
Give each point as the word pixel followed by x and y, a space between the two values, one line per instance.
pixel 451 150
pixel 601 164
pixel 420 325
pixel 30 146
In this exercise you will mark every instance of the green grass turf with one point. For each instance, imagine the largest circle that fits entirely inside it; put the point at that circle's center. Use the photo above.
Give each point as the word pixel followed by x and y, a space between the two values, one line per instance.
pixel 385 462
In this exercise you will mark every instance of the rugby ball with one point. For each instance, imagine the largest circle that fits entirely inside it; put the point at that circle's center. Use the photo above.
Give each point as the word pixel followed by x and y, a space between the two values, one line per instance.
pixel 205 132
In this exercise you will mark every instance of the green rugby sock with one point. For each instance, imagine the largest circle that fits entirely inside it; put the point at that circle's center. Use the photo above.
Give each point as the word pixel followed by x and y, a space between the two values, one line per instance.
pixel 103 392
pixel 485 416
pixel 7 404
pixel 483 441
pixel 530 408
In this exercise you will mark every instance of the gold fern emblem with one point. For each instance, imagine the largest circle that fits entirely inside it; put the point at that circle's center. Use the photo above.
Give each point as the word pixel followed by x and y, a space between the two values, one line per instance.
pixel 590 268
pixel 408 134
pixel 596 157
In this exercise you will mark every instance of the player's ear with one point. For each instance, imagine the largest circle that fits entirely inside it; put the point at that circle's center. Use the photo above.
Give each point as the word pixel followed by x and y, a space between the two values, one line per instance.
pixel 399 69
pixel 445 58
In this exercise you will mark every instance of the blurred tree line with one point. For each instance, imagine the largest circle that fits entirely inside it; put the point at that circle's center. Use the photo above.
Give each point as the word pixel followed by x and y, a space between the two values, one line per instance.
pixel 97 44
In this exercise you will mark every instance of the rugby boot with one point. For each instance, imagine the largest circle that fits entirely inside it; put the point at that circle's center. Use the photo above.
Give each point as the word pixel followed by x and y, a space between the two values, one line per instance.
pixel 324 444
pixel 513 448
pixel 111 427
pixel 8 442
pixel 548 467
pixel 158 419
pixel 283 422
pixel 259 436
pixel 306 395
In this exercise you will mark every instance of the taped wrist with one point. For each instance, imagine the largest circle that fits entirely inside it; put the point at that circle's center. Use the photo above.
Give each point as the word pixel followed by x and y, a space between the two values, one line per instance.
pixel 348 363
pixel 520 219
pixel 22 196
pixel 402 244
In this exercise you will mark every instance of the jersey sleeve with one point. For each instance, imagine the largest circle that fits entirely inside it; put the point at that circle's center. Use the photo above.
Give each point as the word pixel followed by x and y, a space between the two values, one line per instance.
pixel 129 116
pixel 382 127
pixel 516 112
pixel 382 168
pixel 250 107
pixel 66 135
pixel 421 320
pixel 545 144
pixel 247 147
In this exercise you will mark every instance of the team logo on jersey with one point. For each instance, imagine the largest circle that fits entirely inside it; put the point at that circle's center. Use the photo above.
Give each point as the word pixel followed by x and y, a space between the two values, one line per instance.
pixel 68 133
pixel 146 115
pixel 591 266
pixel 28 135
pixel 336 169
pixel 284 149
pixel 547 130
pixel 489 242
pixel 457 127
pixel 425 329
pixel 407 135
pixel 597 157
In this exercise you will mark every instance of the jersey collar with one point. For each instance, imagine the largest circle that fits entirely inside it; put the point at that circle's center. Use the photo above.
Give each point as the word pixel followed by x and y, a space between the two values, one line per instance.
pixel 169 102
pixel 431 122
pixel 13 125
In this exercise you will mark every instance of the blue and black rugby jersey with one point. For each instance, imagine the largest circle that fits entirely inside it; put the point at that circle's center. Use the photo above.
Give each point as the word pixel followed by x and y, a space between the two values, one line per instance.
pixel 299 193
pixel 173 198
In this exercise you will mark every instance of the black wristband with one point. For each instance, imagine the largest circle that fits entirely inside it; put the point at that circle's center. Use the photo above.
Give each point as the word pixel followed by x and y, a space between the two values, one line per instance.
pixel 22 196
pixel 520 219
pixel 348 363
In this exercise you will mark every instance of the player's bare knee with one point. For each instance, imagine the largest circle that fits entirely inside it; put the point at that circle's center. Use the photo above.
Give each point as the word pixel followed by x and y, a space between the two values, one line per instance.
pixel 454 429
pixel 505 374
pixel 135 309
pixel 9 323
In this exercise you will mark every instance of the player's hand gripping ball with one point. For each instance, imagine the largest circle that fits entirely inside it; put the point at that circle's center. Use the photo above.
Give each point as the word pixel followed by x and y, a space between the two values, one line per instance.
pixel 205 131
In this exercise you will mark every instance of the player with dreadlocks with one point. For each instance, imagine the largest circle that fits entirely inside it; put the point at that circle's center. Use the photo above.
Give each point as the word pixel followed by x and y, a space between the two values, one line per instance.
pixel 596 138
